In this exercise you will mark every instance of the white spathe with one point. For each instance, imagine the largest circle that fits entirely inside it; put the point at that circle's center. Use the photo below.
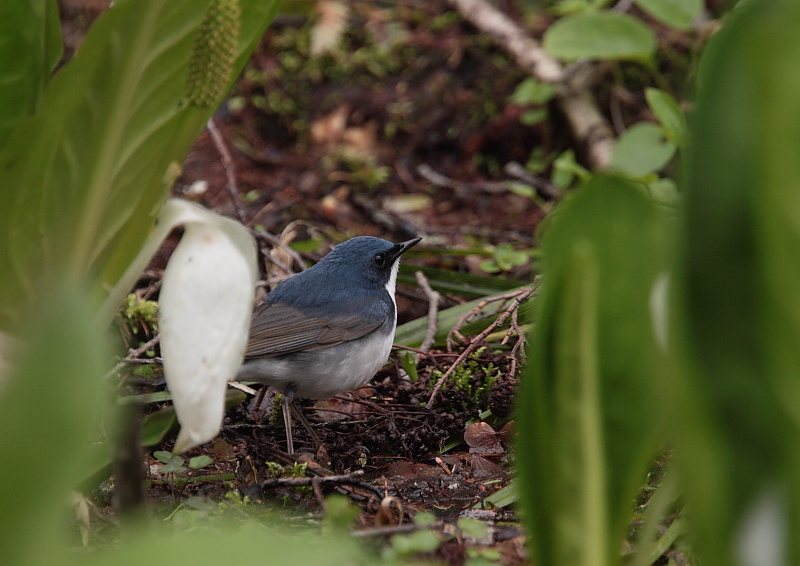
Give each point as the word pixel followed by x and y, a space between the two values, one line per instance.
pixel 205 305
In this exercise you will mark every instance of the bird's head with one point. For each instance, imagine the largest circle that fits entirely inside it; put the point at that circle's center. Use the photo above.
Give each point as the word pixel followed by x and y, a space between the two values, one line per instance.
pixel 373 258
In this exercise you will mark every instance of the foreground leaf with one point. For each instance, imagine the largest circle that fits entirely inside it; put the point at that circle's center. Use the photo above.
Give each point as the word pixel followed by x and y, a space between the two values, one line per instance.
pixel 587 416
pixel 84 178
pixel 30 47
pixel 50 408
pixel 740 396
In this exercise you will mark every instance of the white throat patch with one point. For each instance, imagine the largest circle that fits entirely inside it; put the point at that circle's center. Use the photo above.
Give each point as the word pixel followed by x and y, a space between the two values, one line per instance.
pixel 392 282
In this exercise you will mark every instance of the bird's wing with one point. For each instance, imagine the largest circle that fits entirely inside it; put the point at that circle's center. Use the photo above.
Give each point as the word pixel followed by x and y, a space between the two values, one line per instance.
pixel 278 328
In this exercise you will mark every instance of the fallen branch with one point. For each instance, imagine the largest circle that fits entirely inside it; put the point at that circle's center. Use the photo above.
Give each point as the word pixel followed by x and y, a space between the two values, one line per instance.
pixel 433 311
pixel 350 478
pixel 588 125
pixel 344 483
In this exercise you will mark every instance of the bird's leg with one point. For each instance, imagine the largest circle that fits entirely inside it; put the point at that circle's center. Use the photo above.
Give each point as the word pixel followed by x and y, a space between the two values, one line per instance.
pixel 287 397
pixel 298 413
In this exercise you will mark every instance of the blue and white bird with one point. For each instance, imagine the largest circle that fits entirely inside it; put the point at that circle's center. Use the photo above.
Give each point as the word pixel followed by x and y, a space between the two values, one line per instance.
pixel 330 328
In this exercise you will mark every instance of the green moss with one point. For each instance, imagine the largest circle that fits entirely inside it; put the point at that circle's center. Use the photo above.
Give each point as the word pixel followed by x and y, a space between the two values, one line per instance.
pixel 139 313
pixel 472 378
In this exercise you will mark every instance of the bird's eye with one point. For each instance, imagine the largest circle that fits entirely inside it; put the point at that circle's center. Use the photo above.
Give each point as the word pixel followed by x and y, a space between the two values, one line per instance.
pixel 380 260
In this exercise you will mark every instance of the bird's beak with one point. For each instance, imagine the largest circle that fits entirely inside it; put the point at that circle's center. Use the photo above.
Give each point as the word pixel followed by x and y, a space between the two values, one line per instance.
pixel 403 247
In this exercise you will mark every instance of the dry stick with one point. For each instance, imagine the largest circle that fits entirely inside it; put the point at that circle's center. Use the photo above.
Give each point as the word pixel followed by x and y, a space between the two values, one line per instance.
pixel 352 478
pixel 434 177
pixel 474 311
pixel 521 297
pixel 133 354
pixel 433 310
pixel 276 241
pixel 587 123
pixel 391 530
pixel 229 167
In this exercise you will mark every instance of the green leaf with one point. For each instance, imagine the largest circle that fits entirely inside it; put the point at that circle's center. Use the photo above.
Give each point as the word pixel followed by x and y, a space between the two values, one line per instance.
pixel 50 403
pixel 85 177
pixel 503 497
pixel 600 35
pixel 587 413
pixel 340 514
pixel 533 117
pixel 740 393
pixel 424 519
pixel 472 527
pixel 419 541
pixel 566 169
pixel 679 14
pixel 669 115
pixel 30 46
pixel 508 258
pixel 174 467
pixel 221 540
pixel 642 150
pixel 532 91
pixel 155 427
pixel 409 366
pixel 199 462
pixel 165 457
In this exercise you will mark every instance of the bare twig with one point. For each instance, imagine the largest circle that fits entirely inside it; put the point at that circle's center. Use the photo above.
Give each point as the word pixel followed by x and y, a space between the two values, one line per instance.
pixel 390 530
pixel 433 309
pixel 521 297
pixel 242 387
pixel 514 328
pixel 230 169
pixel 588 124
pixel 545 188
pixel 133 355
pixel 345 482
pixel 299 482
pixel 434 177
pixel 473 312
pixel 391 222
pixel 276 241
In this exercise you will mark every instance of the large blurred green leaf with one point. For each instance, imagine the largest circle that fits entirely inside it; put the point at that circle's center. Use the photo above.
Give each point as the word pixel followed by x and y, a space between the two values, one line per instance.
pixel 83 179
pixel 229 540
pixel 49 411
pixel 30 46
pixel 741 397
pixel 600 35
pixel 679 14
pixel 588 418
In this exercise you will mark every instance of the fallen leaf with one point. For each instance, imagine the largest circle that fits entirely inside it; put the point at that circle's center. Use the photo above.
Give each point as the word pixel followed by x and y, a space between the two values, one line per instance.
pixel 482 439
